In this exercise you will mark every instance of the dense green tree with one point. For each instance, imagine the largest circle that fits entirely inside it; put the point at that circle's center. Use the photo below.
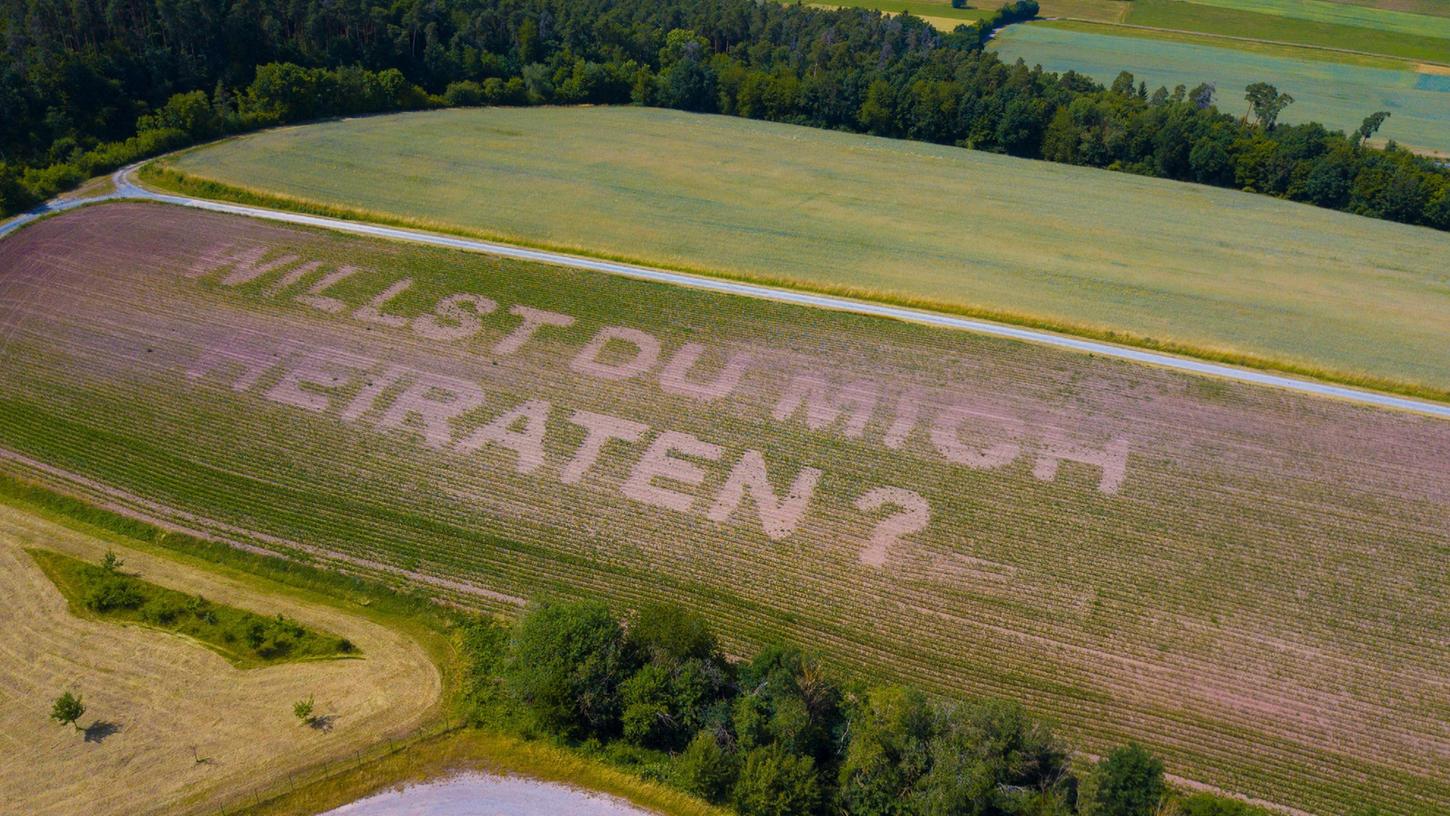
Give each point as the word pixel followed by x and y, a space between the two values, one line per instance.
pixel 68 708
pixel 669 698
pixel 787 699
pixel 776 782
pixel 1203 804
pixel 705 768
pixel 566 664
pixel 667 632
pixel 889 752
pixel 1266 103
pixel 1370 124
pixel 1129 783
pixel 984 754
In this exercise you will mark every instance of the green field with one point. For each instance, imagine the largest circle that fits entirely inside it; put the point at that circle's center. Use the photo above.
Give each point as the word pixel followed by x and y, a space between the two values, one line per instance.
pixel 938 12
pixel 1339 14
pixel 1402 30
pixel 960 230
pixel 1338 95
pixel 1248 580
pixel 1427 45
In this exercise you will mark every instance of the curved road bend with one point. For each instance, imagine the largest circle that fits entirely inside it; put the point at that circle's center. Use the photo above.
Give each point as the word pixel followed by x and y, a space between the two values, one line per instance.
pixel 128 188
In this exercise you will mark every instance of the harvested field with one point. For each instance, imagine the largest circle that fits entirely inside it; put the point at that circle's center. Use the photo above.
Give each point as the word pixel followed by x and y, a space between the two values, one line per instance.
pixel 1209 269
pixel 158 703
pixel 1250 581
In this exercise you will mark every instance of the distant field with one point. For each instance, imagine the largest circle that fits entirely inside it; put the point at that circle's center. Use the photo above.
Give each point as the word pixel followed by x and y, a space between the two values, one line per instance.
pixel 1404 29
pixel 892 219
pixel 1251 581
pixel 1339 13
pixel 931 10
pixel 1394 35
pixel 1340 96
pixel 157 702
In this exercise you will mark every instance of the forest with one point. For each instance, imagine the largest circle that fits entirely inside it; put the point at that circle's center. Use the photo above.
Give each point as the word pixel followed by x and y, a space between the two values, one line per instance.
pixel 87 86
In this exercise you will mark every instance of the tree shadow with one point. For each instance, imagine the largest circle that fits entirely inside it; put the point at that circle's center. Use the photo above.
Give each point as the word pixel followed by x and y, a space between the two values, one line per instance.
pixel 323 723
pixel 100 729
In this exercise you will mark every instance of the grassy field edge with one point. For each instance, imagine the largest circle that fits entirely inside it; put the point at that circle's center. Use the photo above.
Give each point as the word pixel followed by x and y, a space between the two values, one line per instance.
pixel 442 744
pixel 159 175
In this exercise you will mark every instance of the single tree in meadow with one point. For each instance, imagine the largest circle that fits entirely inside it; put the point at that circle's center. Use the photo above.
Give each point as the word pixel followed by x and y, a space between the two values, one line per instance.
pixel 112 563
pixel 302 710
pixel 67 709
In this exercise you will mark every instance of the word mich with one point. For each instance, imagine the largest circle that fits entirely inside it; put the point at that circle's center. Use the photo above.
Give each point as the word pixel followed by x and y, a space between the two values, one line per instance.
pixel 853 408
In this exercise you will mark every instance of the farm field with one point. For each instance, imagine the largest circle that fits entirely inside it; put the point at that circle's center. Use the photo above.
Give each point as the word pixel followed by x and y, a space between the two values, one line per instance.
pixel 1383 18
pixel 1339 95
pixel 157 702
pixel 1323 25
pixel 1249 581
pixel 937 12
pixel 1204 268
pixel 1410 32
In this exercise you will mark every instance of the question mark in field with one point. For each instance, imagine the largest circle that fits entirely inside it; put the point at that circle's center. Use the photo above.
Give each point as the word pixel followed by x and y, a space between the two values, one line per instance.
pixel 913 516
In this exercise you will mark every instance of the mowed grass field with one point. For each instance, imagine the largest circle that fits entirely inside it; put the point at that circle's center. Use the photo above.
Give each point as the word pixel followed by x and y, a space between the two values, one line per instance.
pixel 1209 269
pixel 937 12
pixel 1317 24
pixel 1337 94
pixel 1250 581
pixel 156 702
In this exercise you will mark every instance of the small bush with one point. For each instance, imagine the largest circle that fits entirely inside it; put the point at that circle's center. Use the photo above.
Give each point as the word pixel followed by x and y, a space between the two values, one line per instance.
pixel 162 611
pixel 113 592
pixel 463 94
pixel 706 769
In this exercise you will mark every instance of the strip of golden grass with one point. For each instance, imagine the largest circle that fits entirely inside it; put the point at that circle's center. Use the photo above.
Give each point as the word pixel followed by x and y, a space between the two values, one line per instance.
pixel 165 177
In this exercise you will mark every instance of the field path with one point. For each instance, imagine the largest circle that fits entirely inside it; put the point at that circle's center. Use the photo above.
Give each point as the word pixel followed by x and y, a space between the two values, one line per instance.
pixel 128 188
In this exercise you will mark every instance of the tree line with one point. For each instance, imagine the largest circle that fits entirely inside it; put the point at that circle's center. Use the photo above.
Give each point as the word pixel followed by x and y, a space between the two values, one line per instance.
pixel 87 85
pixel 778 734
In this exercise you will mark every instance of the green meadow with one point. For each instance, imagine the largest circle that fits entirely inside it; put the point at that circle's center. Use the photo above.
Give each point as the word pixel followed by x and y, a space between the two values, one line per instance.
pixel 1161 263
